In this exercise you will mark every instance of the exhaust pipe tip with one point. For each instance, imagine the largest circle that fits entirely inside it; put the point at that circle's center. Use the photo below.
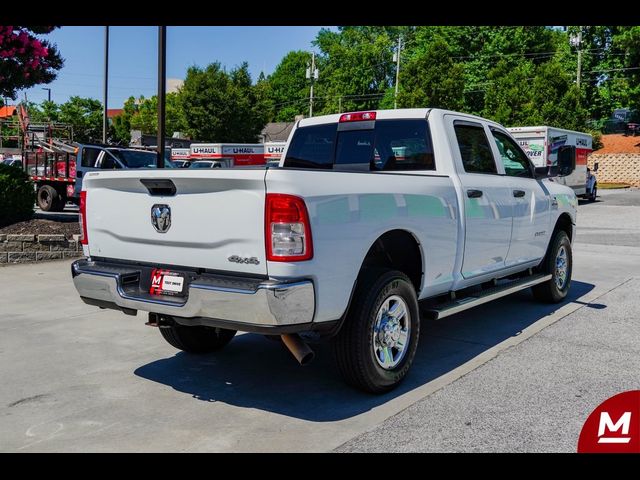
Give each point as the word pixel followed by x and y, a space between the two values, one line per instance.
pixel 298 348
pixel 307 358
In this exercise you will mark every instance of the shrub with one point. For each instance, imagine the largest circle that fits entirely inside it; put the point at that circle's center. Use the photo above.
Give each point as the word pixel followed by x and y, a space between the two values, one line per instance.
pixel 17 195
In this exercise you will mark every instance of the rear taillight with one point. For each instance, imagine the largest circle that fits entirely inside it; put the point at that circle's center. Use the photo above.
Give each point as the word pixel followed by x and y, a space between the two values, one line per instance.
pixel 287 229
pixel 357 117
pixel 82 217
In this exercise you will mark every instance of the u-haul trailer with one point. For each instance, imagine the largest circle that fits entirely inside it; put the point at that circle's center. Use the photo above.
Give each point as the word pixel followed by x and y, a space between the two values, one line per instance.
pixel 230 154
pixel 543 144
pixel 180 153
pixel 273 152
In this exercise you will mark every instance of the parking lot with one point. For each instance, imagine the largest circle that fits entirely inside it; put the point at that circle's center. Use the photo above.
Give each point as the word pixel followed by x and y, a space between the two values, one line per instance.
pixel 512 375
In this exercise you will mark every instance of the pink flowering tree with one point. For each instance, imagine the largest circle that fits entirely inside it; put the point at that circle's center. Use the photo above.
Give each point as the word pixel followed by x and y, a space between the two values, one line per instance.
pixel 25 59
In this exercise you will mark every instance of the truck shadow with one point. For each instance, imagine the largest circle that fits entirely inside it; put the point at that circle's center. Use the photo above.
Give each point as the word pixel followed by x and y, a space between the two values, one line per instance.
pixel 254 372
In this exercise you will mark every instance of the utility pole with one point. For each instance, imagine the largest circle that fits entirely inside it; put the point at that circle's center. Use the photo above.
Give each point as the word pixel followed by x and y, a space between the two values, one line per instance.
pixel 48 93
pixel 312 75
pixel 162 93
pixel 579 58
pixel 396 58
pixel 106 84
pixel 576 41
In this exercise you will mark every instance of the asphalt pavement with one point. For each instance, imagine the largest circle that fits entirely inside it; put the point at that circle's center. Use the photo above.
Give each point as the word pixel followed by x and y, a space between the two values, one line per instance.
pixel 512 375
pixel 536 395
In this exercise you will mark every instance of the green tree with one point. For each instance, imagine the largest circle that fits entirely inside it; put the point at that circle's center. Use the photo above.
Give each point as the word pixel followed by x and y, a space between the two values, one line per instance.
pixel 508 98
pixel 534 95
pixel 431 78
pixel 85 114
pixel 288 88
pixel 121 124
pixel 356 66
pixel 480 48
pixel 142 114
pixel 220 106
pixel 556 99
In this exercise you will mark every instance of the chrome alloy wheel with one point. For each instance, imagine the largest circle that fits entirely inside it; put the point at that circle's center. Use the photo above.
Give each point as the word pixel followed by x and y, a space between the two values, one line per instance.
pixel 562 268
pixel 391 332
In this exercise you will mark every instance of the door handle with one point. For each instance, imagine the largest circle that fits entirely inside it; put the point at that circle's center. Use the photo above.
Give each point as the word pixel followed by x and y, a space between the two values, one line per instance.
pixel 474 193
pixel 79 174
pixel 519 193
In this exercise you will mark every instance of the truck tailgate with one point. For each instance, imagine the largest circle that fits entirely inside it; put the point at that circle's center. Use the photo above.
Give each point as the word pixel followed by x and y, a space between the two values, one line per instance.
pixel 215 215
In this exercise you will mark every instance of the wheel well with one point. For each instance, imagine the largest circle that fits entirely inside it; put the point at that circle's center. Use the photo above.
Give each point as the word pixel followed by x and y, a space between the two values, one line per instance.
pixel 564 223
pixel 397 249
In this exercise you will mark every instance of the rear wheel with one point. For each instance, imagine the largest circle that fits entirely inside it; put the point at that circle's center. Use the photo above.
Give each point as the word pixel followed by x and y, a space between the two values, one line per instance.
pixel 376 346
pixel 48 198
pixel 559 263
pixel 197 339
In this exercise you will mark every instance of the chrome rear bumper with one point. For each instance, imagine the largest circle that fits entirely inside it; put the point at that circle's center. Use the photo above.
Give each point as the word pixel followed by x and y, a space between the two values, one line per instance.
pixel 250 301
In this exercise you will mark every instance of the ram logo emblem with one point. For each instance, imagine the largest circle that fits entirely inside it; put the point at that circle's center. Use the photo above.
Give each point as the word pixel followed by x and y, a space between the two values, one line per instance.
pixel 161 217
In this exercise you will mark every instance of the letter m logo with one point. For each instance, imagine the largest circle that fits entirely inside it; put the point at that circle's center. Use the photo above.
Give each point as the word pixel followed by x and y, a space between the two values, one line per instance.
pixel 606 424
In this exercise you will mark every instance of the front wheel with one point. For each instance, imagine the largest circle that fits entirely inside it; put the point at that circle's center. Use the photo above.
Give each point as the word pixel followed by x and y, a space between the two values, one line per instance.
pixel 377 344
pixel 559 263
pixel 197 339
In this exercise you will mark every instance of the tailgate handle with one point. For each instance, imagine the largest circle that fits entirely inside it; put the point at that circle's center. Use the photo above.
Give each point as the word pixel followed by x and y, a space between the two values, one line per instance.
pixel 159 187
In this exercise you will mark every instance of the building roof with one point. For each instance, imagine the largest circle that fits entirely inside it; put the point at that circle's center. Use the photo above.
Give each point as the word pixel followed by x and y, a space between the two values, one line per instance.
pixel 114 112
pixel 7 111
pixel 618 143
pixel 277 131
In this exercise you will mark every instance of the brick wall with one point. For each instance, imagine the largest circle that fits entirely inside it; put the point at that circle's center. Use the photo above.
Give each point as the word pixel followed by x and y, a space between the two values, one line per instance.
pixel 37 248
pixel 617 167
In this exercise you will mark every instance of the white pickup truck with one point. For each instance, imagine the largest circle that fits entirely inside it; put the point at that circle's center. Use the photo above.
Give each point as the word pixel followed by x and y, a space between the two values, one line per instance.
pixel 369 215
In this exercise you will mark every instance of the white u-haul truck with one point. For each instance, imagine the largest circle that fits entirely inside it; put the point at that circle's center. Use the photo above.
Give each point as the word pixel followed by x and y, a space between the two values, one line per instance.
pixel 545 145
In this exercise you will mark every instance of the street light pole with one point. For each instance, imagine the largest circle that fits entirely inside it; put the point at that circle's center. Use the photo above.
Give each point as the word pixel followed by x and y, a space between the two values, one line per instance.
pixel 162 88
pixel 106 84
pixel 48 93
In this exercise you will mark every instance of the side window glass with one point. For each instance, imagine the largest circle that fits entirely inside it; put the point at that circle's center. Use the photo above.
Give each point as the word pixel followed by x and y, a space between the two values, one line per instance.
pixel 108 163
pixel 515 161
pixel 89 156
pixel 474 149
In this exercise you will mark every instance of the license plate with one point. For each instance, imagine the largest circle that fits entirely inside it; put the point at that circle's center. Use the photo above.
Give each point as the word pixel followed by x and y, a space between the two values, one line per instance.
pixel 166 282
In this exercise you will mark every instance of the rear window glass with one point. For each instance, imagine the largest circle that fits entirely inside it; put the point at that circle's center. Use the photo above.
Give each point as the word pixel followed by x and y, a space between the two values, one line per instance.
pixel 312 147
pixel 355 147
pixel 391 145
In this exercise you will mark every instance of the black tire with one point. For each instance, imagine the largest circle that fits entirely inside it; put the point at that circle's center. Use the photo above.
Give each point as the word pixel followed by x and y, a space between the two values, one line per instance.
pixel 197 339
pixel 550 291
pixel 353 347
pixel 48 199
pixel 594 193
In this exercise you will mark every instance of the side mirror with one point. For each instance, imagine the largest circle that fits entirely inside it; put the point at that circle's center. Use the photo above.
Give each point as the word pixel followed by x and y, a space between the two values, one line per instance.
pixel 547 172
pixel 595 167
